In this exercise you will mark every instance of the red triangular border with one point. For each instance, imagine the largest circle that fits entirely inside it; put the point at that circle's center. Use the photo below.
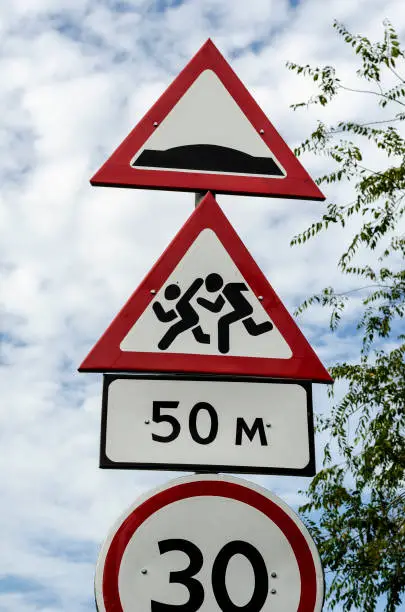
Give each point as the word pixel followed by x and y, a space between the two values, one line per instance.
pixel 117 172
pixel 106 356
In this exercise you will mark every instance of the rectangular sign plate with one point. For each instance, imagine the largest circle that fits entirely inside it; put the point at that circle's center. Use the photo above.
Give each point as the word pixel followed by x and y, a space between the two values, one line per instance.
pixel 194 423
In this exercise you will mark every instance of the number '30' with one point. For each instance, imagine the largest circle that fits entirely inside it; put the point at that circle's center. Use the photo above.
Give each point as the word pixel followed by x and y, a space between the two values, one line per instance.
pixel 219 567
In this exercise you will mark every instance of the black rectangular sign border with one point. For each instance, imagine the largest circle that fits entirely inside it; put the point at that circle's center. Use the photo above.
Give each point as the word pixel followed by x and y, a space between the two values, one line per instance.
pixel 106 463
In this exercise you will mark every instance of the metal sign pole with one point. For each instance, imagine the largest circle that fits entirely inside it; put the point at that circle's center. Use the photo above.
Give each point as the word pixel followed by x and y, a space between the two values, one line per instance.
pixel 199 195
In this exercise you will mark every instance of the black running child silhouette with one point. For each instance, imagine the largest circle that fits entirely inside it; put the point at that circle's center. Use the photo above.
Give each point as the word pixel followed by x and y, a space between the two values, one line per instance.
pixel 184 311
pixel 242 309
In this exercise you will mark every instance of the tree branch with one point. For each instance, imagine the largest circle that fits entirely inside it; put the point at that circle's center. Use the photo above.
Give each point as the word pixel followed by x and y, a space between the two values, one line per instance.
pixel 369 91
pixel 340 130
pixel 396 74
pixel 375 286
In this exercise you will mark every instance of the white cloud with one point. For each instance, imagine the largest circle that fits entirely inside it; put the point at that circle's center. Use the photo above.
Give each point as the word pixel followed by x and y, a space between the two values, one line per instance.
pixel 76 77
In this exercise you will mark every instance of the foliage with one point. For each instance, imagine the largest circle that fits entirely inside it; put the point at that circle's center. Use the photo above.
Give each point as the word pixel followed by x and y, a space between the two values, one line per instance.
pixel 356 503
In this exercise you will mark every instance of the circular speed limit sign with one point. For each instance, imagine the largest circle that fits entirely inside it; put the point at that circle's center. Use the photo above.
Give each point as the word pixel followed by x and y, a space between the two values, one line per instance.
pixel 209 543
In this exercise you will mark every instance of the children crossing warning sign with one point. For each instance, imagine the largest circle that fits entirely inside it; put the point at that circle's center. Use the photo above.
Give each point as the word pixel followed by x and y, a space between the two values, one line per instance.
pixel 206 307
pixel 206 132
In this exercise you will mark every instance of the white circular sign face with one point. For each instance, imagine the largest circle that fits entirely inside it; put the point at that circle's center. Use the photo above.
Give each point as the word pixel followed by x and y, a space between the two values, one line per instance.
pixel 209 543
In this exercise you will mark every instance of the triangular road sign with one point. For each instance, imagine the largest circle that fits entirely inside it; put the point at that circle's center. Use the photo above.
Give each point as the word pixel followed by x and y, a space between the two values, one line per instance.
pixel 206 307
pixel 206 133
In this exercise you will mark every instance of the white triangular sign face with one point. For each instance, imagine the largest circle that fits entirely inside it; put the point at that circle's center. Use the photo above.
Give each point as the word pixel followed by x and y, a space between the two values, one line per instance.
pixel 209 280
pixel 206 131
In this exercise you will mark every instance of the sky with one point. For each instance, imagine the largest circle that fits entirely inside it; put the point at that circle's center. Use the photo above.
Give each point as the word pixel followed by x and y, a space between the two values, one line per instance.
pixel 77 75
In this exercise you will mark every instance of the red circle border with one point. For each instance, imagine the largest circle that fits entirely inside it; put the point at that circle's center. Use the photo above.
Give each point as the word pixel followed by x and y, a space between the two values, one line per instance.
pixel 269 508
